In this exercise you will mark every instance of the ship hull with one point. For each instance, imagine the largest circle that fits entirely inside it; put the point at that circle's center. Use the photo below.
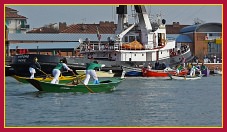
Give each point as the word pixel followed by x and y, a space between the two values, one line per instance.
pixel 20 63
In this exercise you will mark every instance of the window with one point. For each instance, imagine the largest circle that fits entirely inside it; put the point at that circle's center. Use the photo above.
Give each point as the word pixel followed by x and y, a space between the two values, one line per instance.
pixel 126 38
pixel 131 38
pixel 138 38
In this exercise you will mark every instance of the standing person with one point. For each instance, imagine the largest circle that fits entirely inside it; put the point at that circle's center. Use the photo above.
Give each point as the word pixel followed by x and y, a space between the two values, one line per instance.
pixel 156 65
pixel 33 66
pixel 179 68
pixel 90 71
pixel 149 66
pixel 58 69
pixel 193 70
pixel 203 67
pixel 183 61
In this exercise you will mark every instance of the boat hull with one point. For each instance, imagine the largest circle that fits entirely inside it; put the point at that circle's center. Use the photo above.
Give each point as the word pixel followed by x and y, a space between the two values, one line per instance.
pixel 206 72
pixel 104 86
pixel 20 63
pixel 162 73
pixel 186 77
pixel 62 79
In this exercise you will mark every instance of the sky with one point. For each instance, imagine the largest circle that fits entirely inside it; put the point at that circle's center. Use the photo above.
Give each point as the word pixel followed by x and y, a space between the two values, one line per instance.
pixel 40 15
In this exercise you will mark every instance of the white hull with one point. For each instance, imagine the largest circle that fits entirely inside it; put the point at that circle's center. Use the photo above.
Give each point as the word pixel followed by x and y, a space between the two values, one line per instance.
pixel 186 78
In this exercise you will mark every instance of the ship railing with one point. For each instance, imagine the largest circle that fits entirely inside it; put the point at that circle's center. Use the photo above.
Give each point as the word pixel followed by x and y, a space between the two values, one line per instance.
pixel 99 47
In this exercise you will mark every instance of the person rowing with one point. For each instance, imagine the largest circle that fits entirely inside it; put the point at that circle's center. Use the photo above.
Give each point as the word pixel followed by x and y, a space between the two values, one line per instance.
pixel 58 70
pixel 90 71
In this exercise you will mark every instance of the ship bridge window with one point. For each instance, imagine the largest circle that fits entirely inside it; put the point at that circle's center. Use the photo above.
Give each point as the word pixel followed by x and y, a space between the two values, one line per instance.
pixel 131 38
pixel 138 38
pixel 126 38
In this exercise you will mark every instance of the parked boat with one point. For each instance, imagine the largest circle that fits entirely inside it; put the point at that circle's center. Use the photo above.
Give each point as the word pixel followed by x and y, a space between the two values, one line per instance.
pixel 105 86
pixel 9 71
pixel 162 73
pixel 132 71
pixel 139 43
pixel 62 79
pixel 188 77
pixel 217 72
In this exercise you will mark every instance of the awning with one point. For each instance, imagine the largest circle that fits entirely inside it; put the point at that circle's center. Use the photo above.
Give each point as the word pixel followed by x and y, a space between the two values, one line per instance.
pixel 55 45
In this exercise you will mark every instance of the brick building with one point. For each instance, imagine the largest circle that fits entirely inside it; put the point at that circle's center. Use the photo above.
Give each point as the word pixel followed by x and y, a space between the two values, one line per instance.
pixel 205 40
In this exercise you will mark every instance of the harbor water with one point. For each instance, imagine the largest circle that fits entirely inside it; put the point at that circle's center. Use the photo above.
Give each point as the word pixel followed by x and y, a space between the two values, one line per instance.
pixel 136 102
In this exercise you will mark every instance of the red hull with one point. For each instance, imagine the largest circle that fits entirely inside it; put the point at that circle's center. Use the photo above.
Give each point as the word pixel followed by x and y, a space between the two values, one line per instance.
pixel 161 73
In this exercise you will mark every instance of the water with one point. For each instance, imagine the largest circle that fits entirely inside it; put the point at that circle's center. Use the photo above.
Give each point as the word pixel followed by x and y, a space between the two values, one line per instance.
pixel 135 103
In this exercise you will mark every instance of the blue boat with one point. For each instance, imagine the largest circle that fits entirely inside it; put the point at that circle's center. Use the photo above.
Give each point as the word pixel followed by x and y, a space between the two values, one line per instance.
pixel 133 73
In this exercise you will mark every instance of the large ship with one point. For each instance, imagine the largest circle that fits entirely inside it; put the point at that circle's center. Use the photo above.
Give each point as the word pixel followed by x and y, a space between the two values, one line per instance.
pixel 138 43
pixel 134 45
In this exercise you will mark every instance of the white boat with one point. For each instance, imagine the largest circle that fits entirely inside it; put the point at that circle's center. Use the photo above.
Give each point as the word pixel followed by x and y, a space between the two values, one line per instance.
pixel 217 72
pixel 134 44
pixel 188 77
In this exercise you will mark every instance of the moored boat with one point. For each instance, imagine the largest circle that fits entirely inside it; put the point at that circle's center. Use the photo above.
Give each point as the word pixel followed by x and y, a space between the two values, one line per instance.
pixel 188 77
pixel 162 73
pixel 104 86
pixel 132 71
pixel 217 72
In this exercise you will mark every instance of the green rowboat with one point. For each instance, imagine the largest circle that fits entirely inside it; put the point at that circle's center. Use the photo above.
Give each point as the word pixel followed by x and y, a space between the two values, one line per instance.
pixel 104 86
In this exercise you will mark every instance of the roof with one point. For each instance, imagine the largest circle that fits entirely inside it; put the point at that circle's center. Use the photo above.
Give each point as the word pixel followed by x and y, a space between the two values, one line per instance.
pixel 62 37
pixel 10 10
pixel 103 27
pixel 11 13
pixel 174 29
pixel 207 27
pixel 55 45
pixel 183 39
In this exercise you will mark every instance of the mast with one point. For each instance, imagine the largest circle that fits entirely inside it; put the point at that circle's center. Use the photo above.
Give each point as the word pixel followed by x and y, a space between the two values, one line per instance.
pixel 122 18
pixel 145 26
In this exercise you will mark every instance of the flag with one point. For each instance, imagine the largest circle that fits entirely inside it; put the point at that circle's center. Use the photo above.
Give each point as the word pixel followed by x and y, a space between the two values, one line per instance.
pixel 98 35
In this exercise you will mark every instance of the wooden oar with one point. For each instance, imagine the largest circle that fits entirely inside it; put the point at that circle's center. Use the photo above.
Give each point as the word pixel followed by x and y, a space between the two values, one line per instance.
pixel 170 75
pixel 91 91
pixel 44 73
